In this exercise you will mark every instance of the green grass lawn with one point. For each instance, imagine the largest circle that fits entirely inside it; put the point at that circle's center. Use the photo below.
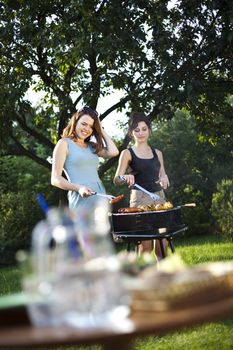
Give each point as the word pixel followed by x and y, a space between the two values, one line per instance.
pixel 210 336
pixel 197 250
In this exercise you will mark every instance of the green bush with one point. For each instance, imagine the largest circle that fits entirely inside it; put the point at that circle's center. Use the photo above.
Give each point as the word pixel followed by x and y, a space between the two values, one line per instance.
pixel 222 207
pixel 20 181
pixel 198 219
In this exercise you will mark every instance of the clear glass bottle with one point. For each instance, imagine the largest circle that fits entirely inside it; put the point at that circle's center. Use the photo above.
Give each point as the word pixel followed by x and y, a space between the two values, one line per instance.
pixel 76 277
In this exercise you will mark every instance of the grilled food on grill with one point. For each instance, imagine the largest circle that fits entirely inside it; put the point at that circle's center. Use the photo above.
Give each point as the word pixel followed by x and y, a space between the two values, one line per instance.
pixel 156 207
pixel 130 210
pixel 117 199
pixel 168 205
pixel 150 207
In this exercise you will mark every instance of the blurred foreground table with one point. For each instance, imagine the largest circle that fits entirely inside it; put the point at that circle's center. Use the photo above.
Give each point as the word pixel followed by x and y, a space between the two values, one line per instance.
pixel 17 332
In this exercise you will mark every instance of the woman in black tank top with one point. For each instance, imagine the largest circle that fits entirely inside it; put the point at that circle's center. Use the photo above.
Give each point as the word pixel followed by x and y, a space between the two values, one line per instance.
pixel 146 171
pixel 144 166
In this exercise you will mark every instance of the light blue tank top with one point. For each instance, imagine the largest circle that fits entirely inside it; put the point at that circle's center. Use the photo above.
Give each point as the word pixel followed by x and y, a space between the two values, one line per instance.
pixel 81 166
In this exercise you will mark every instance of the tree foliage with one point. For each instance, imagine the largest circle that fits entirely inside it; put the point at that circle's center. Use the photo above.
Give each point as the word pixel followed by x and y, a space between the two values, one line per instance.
pixel 195 165
pixel 222 207
pixel 159 55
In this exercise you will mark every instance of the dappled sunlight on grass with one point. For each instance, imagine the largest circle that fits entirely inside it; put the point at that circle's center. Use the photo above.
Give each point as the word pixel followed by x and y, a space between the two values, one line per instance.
pixel 209 336
pixel 203 250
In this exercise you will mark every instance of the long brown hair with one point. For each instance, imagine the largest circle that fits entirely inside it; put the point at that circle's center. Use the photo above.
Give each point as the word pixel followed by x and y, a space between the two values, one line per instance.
pixel 69 130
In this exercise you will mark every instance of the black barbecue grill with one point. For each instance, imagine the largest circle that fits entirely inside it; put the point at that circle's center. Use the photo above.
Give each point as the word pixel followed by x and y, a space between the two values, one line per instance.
pixel 133 228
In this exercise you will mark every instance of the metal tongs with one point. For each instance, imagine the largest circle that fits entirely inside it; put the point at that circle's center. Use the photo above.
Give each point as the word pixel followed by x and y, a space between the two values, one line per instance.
pixel 153 196
pixel 109 196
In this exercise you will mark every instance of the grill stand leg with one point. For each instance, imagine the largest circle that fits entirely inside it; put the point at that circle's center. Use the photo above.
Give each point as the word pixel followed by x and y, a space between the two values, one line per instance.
pixel 162 248
pixel 171 244
pixel 168 237
pixel 136 246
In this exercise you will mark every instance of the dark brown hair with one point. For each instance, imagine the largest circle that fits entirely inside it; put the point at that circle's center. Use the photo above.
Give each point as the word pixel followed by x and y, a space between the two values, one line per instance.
pixel 69 130
pixel 135 119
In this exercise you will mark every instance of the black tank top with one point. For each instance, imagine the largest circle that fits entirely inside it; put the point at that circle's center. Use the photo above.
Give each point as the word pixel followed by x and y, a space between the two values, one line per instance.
pixel 146 171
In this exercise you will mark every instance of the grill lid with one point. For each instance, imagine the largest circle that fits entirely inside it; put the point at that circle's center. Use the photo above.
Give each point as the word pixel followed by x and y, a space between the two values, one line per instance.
pixel 151 220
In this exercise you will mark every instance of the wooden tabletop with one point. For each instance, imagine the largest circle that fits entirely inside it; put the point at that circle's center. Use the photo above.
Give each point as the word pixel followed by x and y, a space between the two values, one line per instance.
pixel 16 330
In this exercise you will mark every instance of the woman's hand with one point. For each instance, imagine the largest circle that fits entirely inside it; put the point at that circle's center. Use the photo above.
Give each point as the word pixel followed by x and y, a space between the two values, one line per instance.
pixel 129 179
pixel 164 181
pixel 110 150
pixel 85 191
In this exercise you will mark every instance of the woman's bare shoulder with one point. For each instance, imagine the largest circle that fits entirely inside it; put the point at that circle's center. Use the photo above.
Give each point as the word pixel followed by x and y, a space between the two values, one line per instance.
pixel 158 151
pixel 126 153
pixel 62 140
pixel 62 143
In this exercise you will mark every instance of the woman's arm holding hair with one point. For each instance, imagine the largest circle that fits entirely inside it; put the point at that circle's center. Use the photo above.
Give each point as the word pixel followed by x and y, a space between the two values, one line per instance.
pixel 110 150
pixel 163 178
pixel 123 165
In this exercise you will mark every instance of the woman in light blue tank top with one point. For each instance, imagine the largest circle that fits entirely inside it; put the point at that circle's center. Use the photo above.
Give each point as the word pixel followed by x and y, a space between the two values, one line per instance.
pixel 78 156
